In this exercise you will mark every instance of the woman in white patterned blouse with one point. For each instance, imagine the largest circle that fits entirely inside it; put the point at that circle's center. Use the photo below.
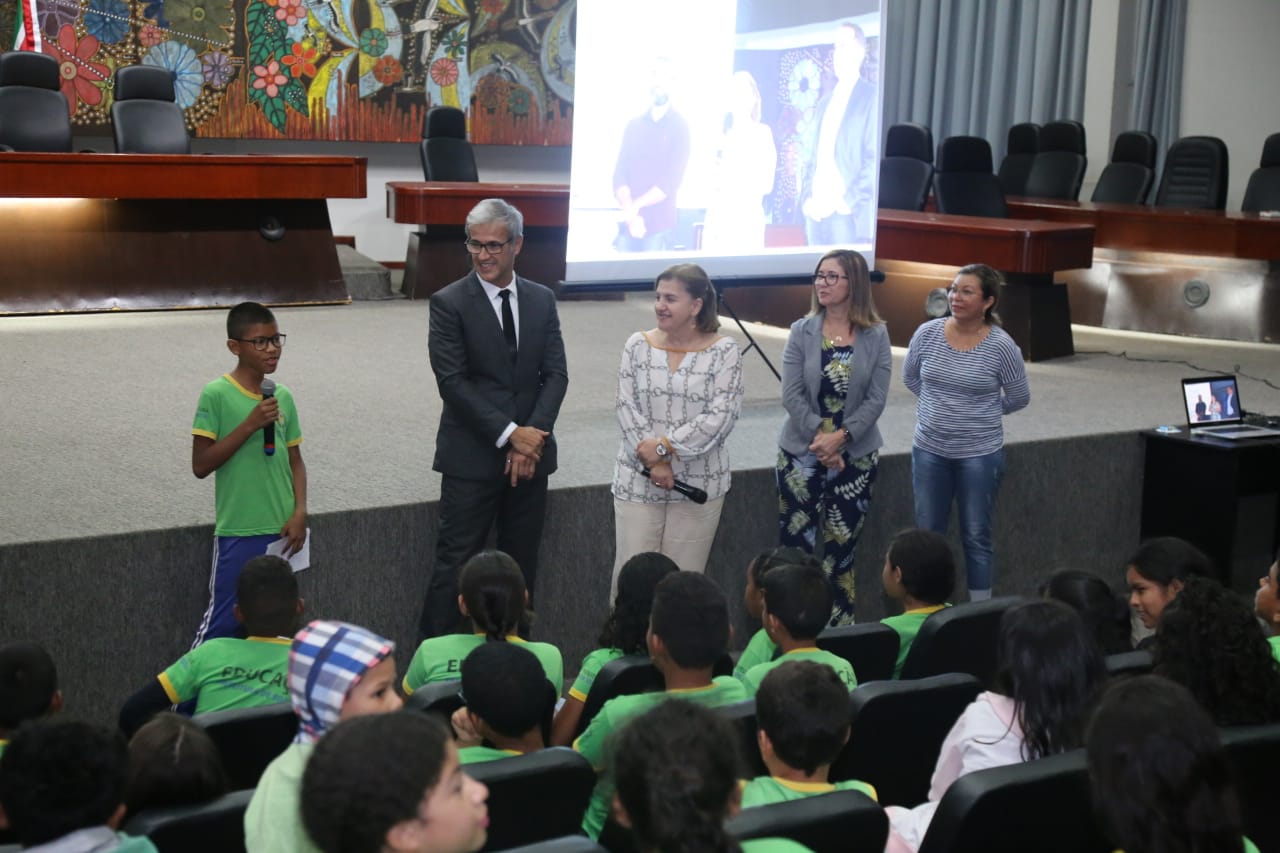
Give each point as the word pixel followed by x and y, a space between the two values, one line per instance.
pixel 679 395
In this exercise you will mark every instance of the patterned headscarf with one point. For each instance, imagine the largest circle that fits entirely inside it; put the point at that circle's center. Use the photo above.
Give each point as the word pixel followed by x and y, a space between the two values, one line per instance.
pixel 326 660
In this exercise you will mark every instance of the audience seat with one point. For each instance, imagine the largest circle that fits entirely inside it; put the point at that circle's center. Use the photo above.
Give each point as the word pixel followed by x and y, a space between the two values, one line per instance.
pixel 959 639
pixel 626 675
pixel 838 822
pixel 33 111
pixel 216 827
pixel 743 715
pixel 567 844
pixel 248 739
pixel 870 647
pixel 1041 805
pixel 1128 177
pixel 438 697
pixel 964 183
pixel 909 140
pixel 1263 191
pixel 1020 151
pixel 1057 170
pixel 1195 174
pixel 1254 754
pixel 535 797
pixel 145 118
pixel 896 729
pixel 1124 664
pixel 446 153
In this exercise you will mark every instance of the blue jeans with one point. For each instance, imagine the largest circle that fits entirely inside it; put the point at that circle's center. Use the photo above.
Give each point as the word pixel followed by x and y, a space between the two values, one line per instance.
pixel 973 483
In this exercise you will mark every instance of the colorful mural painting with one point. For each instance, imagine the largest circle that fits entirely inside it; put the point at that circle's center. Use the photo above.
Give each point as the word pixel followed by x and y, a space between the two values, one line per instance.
pixel 364 70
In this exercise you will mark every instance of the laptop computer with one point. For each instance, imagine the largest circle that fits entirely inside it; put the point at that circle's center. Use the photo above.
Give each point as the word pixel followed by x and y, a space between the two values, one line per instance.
pixel 1214 409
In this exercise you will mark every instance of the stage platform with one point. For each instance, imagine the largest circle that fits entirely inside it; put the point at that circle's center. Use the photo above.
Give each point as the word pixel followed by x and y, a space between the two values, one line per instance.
pixel 105 536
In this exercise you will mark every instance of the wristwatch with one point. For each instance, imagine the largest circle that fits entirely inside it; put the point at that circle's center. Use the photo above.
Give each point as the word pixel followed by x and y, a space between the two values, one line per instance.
pixel 661 450
pixel 847 438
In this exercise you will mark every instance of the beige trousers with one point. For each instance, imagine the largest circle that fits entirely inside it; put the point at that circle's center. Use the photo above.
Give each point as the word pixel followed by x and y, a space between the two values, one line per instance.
pixel 683 530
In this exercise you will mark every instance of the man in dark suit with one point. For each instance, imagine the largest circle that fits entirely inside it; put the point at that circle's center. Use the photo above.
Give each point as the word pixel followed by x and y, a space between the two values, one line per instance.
pixel 837 185
pixel 499 362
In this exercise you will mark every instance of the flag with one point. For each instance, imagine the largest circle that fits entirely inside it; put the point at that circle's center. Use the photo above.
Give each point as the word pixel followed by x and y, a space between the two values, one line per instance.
pixel 26 34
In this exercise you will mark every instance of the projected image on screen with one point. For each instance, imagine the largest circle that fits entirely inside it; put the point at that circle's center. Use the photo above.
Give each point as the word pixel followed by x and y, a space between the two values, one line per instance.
pixel 741 134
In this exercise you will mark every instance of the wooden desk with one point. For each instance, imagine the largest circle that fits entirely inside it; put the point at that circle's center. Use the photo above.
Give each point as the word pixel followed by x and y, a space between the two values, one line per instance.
pixel 1029 253
pixel 436 255
pixel 107 232
pixel 1145 256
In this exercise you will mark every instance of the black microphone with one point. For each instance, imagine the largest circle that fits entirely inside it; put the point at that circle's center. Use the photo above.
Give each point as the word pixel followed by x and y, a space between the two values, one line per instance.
pixel 269 431
pixel 693 493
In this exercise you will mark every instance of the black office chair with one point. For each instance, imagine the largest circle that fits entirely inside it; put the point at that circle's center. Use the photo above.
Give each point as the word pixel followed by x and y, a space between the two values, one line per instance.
pixel 1125 664
pixel 145 117
pixel 446 153
pixel 896 729
pixel 1128 177
pixel 248 739
pixel 1254 752
pixel 1020 152
pixel 33 110
pixel 909 140
pixel 825 823
pixel 904 183
pixel 1057 170
pixel 567 844
pixel 959 639
pixel 439 697
pixel 216 827
pixel 535 797
pixel 1263 191
pixel 1195 174
pixel 870 647
pixel 627 675
pixel 964 183
pixel 743 715
pixel 1040 805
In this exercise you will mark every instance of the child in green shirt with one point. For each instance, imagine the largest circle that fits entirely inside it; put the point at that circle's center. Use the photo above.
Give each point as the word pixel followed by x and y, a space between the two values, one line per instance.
pixel 797 606
pixel 509 704
pixel 920 572
pixel 28 687
pixel 1266 605
pixel 760 648
pixel 802 711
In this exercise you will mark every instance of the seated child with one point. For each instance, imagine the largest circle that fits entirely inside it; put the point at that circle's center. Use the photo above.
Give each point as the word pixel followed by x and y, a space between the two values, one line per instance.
pixel 1266 605
pixel 28 687
pixel 1155 575
pixel 336 671
pixel 173 762
pixel 689 632
pixel 920 572
pixel 797 606
pixel 492 593
pixel 1158 772
pixel 227 672
pixel 1209 641
pixel 677 768
pixel 392 783
pixel 62 788
pixel 802 709
pixel 760 648
pixel 509 704
pixel 623 634
pixel 1105 613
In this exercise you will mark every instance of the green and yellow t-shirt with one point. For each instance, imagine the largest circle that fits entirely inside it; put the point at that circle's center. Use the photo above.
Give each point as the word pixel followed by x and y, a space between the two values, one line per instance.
pixel 1275 647
pixel 616 713
pixel 843 668
pixel 253 492
pixel 478 754
pixel 908 625
pixel 228 672
pixel 760 649
pixel 591 666
pixel 765 790
pixel 440 659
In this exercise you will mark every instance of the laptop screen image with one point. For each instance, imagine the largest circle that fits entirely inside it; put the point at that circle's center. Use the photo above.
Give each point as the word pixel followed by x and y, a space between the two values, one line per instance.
pixel 1211 400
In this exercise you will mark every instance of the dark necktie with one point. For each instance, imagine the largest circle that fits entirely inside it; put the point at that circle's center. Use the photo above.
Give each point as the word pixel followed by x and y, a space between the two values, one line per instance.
pixel 508 324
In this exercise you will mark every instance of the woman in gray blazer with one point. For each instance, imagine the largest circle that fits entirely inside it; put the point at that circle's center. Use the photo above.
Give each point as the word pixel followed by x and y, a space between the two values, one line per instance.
pixel 835 378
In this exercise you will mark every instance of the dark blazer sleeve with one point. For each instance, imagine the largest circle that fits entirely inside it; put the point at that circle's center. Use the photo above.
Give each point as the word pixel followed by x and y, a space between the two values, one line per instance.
pixel 553 368
pixel 457 380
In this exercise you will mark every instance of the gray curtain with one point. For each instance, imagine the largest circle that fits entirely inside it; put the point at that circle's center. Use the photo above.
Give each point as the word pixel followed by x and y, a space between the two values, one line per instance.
pixel 977 67
pixel 1156 105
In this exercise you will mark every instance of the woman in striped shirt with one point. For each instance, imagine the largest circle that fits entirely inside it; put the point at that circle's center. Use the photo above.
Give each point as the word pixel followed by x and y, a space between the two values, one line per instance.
pixel 967 373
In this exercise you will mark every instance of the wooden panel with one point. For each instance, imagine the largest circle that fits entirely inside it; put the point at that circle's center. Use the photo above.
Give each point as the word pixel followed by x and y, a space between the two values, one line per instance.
pixel 1009 245
pixel 180 176
pixel 439 203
